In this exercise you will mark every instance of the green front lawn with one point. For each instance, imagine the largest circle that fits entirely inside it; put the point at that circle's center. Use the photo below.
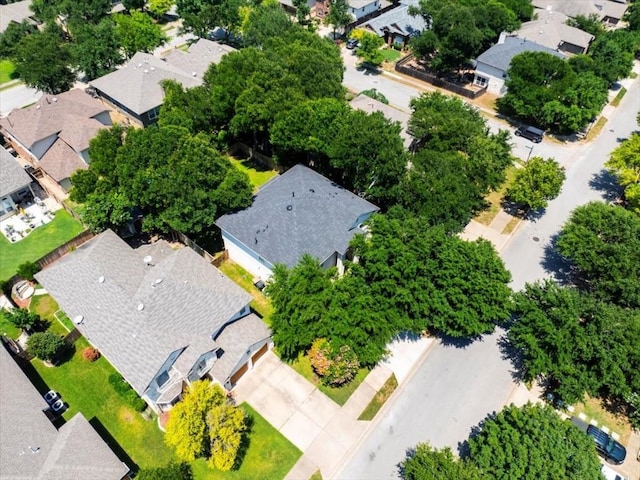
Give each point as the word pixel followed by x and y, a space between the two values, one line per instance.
pixel 37 244
pixel 7 71
pixel 258 173
pixel 84 386
pixel 340 395
pixel 391 54
pixel 269 455
pixel 46 307
pixel 495 198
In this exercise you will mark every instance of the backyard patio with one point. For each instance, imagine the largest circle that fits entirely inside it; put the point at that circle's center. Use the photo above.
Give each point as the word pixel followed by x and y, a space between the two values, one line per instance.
pixel 30 216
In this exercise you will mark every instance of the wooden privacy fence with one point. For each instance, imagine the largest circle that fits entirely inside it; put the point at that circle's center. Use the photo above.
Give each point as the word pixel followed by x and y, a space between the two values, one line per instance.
pixel 65 248
pixel 215 260
pixel 401 67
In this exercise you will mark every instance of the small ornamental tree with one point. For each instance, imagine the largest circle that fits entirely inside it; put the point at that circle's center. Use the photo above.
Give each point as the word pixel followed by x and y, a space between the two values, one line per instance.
pixel 336 366
pixel 369 49
pixel 45 345
pixel 537 183
pixel 91 354
pixel 23 319
pixel 27 270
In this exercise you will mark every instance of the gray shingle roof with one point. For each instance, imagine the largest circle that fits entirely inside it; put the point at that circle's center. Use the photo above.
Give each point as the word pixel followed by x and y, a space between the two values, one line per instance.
pixel 397 20
pixel 500 55
pixel 74 452
pixel 368 104
pixel 573 8
pixel 550 29
pixel 141 313
pixel 12 175
pixel 296 213
pixel 14 12
pixel 137 84
pixel 198 57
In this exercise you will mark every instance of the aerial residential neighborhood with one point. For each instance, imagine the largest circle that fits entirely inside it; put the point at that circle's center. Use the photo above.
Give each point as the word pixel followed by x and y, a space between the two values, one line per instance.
pixel 324 239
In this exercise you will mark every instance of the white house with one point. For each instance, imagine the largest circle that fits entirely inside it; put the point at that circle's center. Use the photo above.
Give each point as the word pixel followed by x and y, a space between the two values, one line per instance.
pixel 361 8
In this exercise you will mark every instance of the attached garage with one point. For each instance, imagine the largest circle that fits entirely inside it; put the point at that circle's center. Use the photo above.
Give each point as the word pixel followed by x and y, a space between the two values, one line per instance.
pixel 239 373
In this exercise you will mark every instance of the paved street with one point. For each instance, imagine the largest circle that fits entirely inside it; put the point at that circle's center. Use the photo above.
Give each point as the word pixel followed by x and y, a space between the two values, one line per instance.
pixel 17 96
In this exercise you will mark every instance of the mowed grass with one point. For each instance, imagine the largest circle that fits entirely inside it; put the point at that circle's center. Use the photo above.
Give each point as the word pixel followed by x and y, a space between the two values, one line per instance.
pixel 239 275
pixel 85 388
pixel 258 173
pixel 391 54
pixel 494 199
pixel 379 399
pixel 340 395
pixel 37 244
pixel 46 307
pixel 594 409
pixel 7 71
pixel 269 455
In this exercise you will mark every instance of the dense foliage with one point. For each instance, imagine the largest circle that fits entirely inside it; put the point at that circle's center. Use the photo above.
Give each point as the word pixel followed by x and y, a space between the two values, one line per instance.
pixel 177 180
pixel 23 319
pixel 602 242
pixel 533 443
pixel 205 424
pixel 625 164
pixel 428 463
pixel 173 471
pixel 538 182
pixel 335 365
pixel 45 345
pixel 579 344
pixel 126 392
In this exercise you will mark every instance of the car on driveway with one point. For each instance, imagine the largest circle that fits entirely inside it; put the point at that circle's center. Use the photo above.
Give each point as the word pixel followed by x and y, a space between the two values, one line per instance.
pixel 352 43
pixel 606 446
pixel 531 133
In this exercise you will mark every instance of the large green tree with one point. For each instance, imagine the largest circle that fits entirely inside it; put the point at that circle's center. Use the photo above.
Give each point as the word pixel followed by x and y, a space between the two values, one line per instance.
pixel 624 162
pixel 603 244
pixel 428 463
pixel 533 443
pixel 265 22
pixel 137 32
pixel 95 48
pixel 538 182
pixel 200 17
pixel 368 49
pixel 13 35
pixel 339 16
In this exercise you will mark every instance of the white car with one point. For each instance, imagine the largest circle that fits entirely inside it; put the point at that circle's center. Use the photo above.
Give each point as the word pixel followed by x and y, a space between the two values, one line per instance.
pixel 610 474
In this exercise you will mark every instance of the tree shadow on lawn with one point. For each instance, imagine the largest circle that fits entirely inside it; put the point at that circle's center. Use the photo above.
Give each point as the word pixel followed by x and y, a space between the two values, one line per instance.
pixel 556 264
pixel 517 210
pixel 113 444
pixel 244 443
pixel 607 184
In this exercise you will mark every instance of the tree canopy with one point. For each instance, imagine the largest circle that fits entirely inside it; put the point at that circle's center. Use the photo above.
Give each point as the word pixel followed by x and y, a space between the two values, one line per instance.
pixel 533 443
pixel 96 48
pixel 428 463
pixel 603 244
pixel 624 162
pixel 137 32
pixel 539 181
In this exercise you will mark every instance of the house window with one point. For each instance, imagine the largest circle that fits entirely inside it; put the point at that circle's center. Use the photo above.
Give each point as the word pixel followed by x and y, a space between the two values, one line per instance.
pixel 153 114
pixel 162 379
pixel 481 81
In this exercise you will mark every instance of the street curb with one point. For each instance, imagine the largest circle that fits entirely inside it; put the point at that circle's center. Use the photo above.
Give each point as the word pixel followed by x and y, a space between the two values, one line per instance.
pixel 382 412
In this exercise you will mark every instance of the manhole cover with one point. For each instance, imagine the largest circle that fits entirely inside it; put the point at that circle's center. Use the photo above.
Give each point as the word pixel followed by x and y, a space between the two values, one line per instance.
pixel 536 239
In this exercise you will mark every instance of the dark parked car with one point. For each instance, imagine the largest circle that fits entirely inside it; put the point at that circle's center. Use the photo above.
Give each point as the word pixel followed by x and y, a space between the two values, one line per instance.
pixel 532 133
pixel 352 43
pixel 611 450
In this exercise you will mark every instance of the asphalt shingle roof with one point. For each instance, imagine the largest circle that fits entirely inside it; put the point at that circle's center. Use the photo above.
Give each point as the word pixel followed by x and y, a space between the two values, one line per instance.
pixel 137 314
pixel 198 57
pixel 550 29
pixel 296 213
pixel 12 175
pixel 14 12
pixel 573 8
pixel 31 447
pixel 398 20
pixel 500 55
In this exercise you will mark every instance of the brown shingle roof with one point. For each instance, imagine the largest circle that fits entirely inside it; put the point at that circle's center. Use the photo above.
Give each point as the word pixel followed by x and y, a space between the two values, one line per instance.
pixel 61 161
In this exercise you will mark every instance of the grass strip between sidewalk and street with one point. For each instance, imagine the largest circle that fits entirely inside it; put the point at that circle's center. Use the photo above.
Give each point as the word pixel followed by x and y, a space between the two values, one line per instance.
pixel 379 399
pixel 596 129
pixel 616 101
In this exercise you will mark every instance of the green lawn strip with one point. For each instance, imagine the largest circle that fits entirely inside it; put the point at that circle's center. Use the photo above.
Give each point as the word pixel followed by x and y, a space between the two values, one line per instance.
pixel 596 129
pixel 64 320
pixel 316 476
pixel 616 101
pixel 84 386
pixel 37 244
pixel 239 275
pixel 494 199
pixel 594 410
pixel 379 399
pixel 258 173
pixel 7 328
pixel 7 71
pixel 391 55
pixel 340 395
pixel 269 455
pixel 46 307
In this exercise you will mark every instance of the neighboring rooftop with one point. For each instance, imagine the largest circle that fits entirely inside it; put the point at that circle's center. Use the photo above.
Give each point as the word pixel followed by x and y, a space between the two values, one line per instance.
pixel 140 305
pixel 31 447
pixel 398 21
pixel 137 84
pixel 356 4
pixel 198 57
pixel 296 213
pixel 551 30
pixel 14 12
pixel 500 55
pixel 368 104
pixel 573 8
pixel 12 175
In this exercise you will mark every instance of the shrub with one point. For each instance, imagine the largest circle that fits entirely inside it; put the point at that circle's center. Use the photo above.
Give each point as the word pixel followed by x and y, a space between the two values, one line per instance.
pixel 23 319
pixel 173 471
pixel 91 354
pixel 335 366
pixel 28 270
pixel 127 393
pixel 45 345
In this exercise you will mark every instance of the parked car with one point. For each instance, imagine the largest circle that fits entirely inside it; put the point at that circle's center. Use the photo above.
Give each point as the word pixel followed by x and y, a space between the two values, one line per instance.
pixel 610 474
pixel 606 446
pixel 531 133
pixel 352 43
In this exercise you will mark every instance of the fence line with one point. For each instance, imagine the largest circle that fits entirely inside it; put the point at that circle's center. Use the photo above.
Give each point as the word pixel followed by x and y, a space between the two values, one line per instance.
pixel 215 260
pixel 65 248
pixel 436 81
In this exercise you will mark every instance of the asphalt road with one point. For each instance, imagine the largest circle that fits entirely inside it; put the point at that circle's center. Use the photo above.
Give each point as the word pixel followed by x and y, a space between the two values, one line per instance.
pixel 457 387
pixel 17 97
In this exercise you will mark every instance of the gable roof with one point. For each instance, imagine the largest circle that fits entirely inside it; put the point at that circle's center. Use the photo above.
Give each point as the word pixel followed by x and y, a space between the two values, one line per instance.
pixel 398 20
pixel 198 57
pixel 70 115
pixel 31 447
pixel 296 213
pixel 14 12
pixel 12 175
pixel 139 313
pixel 60 161
pixel 550 29
pixel 136 85
pixel 500 55
pixel 573 8
pixel 368 105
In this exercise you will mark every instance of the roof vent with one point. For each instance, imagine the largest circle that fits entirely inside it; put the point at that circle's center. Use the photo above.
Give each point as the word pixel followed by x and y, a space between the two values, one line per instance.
pixel 140 65
pixel 152 68
pixel 289 208
pixel 78 319
pixel 101 279
pixel 147 259
pixel 193 74
pixel 55 99
pixel 140 307
pixel 37 107
pixel 146 71
pixel 312 190
pixel 157 281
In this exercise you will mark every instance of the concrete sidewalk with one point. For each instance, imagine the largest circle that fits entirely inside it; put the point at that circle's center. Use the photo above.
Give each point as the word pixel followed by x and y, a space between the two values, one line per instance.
pixel 325 432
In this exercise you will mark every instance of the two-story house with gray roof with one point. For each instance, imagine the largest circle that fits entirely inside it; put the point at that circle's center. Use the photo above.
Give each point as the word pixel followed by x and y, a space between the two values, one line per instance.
pixel 164 318
pixel 295 213
pixel 32 447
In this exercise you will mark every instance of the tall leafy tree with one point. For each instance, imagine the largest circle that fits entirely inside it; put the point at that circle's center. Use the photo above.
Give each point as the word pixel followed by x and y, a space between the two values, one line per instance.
pixel 533 442
pixel 200 17
pixel 264 22
pixel 339 16
pixel 136 32
pixel 173 471
pixel 624 162
pixel 227 424
pixel 612 55
pixel 13 35
pixel 428 463
pixel 603 243
pixel 159 7
pixel 95 48
pixel 43 61
pixel 369 49
pixel 538 182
